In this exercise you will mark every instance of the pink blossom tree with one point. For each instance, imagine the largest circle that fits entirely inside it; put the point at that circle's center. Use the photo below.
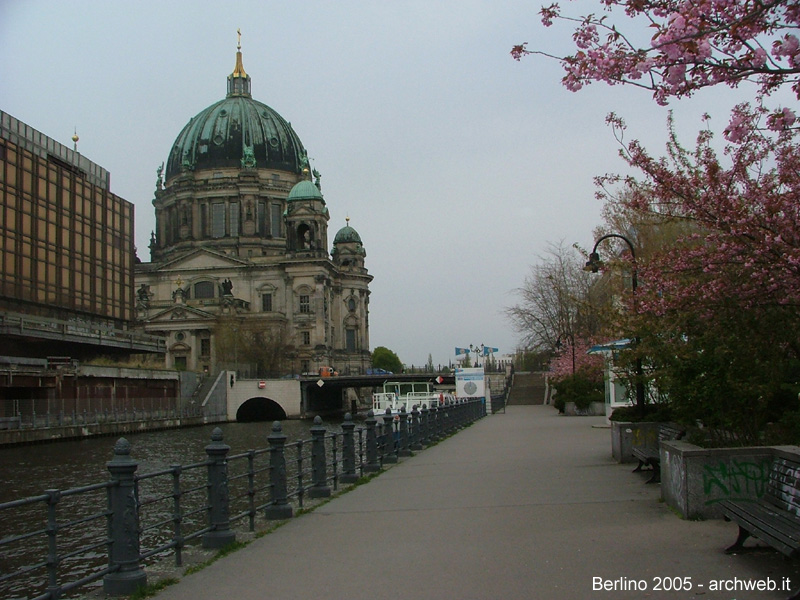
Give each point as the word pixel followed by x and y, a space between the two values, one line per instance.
pixel 574 358
pixel 731 286
pixel 694 44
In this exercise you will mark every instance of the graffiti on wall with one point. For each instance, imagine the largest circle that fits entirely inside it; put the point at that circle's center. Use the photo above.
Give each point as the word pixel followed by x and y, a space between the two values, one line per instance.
pixel 744 480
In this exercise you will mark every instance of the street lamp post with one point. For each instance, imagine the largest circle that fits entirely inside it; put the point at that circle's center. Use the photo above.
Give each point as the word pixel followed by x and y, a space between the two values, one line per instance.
pixel 593 266
pixel 478 350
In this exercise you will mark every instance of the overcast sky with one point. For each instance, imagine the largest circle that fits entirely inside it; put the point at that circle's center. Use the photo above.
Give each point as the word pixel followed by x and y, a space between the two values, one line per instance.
pixel 456 164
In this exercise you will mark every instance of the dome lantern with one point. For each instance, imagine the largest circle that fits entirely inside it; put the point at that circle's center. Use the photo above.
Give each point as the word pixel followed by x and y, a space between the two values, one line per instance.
pixel 239 81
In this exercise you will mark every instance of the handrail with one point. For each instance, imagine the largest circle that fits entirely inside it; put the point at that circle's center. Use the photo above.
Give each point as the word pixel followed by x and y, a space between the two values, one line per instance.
pixel 170 507
pixel 56 328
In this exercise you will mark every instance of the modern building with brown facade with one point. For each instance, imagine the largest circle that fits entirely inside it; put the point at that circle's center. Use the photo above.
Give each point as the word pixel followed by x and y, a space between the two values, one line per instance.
pixel 66 253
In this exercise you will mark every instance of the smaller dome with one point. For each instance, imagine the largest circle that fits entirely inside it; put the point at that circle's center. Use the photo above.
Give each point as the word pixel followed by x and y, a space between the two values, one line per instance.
pixel 347 234
pixel 304 190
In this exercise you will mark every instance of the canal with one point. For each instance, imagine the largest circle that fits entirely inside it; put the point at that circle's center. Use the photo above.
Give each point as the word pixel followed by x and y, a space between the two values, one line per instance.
pixel 27 471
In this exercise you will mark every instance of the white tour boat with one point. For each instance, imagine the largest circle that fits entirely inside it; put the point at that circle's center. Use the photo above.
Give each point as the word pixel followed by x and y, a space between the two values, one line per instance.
pixel 397 395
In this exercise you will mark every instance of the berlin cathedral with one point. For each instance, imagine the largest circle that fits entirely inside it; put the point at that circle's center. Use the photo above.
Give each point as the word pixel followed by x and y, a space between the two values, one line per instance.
pixel 240 274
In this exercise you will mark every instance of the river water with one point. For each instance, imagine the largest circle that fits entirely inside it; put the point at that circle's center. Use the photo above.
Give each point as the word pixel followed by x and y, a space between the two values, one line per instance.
pixel 29 470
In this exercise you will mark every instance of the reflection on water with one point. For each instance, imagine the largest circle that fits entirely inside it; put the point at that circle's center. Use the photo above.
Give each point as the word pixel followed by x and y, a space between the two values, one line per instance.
pixel 29 470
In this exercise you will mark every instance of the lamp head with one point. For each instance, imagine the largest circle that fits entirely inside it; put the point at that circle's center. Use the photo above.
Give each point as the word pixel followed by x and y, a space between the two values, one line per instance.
pixel 594 263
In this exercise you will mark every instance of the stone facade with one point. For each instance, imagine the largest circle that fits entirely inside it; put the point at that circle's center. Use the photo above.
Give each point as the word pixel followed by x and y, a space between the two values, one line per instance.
pixel 240 276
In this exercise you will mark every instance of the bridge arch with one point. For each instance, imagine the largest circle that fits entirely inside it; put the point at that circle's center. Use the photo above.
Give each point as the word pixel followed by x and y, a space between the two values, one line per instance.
pixel 260 408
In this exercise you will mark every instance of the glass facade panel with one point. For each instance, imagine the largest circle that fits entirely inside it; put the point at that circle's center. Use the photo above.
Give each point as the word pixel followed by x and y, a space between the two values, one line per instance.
pixel 48 254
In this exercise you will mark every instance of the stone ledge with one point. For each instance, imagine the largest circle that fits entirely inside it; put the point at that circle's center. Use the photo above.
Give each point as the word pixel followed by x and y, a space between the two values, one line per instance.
pixel 694 480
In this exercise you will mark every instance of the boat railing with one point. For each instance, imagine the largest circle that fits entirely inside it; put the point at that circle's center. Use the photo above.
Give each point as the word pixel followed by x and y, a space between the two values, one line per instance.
pixel 383 400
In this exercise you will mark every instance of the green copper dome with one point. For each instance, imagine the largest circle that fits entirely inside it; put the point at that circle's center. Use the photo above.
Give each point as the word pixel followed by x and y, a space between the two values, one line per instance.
pixel 304 190
pixel 236 132
pixel 347 234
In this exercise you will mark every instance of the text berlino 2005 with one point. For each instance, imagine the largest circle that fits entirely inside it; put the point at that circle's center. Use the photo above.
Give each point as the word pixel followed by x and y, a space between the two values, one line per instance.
pixel 684 584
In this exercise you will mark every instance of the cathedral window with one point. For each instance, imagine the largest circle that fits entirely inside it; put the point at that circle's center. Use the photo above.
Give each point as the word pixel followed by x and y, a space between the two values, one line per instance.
pixel 305 303
pixel 218 220
pixel 306 338
pixel 275 220
pixel 305 236
pixel 262 218
pixel 203 290
pixel 266 302
pixel 234 220
pixel 350 340
pixel 205 347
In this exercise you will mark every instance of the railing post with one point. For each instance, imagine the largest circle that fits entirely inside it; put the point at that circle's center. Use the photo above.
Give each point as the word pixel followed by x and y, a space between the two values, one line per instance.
pixel 433 437
pixel 218 498
pixel 427 425
pixel 349 474
pixel 416 430
pixel 373 463
pixel 123 526
pixel 53 496
pixel 177 514
pixel 279 507
pixel 403 443
pixel 319 466
pixel 390 454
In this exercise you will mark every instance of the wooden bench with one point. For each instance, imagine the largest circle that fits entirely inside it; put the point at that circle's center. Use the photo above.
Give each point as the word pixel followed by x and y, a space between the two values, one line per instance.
pixel 775 517
pixel 650 456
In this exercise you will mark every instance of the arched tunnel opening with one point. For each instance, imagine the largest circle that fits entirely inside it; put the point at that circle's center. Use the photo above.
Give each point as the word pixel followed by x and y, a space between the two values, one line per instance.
pixel 260 409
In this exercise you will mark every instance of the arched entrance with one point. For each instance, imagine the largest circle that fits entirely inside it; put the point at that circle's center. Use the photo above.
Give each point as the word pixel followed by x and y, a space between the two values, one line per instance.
pixel 260 409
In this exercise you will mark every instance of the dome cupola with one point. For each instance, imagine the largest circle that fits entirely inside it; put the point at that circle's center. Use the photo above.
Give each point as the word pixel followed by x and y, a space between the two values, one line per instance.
pixel 348 251
pixel 236 132
pixel 304 190
pixel 347 235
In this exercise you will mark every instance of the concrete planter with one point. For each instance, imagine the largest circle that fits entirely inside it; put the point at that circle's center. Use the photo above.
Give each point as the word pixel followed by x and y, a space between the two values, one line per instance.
pixel 596 409
pixel 625 435
pixel 694 480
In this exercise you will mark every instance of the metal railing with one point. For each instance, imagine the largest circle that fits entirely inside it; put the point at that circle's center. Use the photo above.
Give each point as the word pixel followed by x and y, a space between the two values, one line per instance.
pixel 111 531
pixel 22 414
pixel 79 331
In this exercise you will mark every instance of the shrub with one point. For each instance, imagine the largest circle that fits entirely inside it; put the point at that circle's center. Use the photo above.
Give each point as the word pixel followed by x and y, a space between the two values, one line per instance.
pixel 581 388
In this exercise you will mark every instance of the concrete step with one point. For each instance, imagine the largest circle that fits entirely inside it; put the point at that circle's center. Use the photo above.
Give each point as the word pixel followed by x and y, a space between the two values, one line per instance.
pixel 528 388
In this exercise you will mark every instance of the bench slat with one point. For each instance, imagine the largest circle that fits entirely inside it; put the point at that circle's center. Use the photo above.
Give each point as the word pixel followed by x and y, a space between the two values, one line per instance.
pixel 650 456
pixel 783 485
pixel 768 526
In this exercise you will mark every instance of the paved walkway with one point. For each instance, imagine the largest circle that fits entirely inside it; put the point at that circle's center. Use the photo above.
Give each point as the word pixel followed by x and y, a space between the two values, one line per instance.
pixel 521 505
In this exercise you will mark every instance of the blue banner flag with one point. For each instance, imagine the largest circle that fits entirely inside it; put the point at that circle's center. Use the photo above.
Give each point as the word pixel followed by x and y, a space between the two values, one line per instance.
pixel 461 350
pixel 487 351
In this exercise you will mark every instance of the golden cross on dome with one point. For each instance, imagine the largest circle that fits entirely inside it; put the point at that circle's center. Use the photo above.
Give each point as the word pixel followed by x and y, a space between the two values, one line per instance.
pixel 239 43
